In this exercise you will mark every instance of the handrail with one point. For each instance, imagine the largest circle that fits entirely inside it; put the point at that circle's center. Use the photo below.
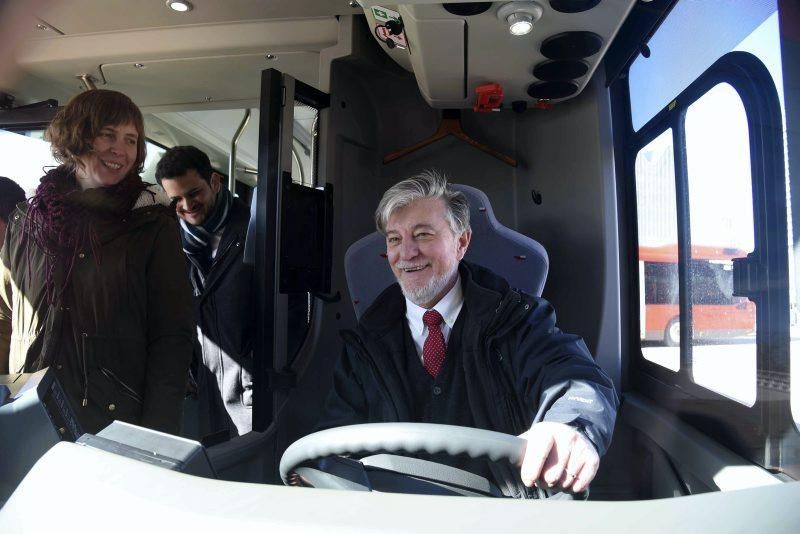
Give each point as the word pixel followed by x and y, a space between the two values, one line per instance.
pixel 232 160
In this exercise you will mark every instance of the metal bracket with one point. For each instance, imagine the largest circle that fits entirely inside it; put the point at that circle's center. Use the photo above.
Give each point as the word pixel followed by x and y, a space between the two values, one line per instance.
pixel 748 276
pixel 6 100
pixel 28 115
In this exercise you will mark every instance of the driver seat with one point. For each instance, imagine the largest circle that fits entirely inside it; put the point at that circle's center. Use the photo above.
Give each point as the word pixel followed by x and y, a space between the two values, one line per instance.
pixel 519 259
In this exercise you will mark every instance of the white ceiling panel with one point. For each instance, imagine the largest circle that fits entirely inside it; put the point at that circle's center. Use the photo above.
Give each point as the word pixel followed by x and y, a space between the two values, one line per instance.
pixel 76 17
pixel 206 79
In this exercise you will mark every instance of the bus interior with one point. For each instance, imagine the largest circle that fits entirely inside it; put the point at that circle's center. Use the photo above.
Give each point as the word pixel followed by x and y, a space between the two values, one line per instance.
pixel 651 147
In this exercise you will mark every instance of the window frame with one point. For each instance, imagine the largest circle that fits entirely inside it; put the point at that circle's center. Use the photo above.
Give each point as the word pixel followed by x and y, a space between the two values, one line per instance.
pixel 746 430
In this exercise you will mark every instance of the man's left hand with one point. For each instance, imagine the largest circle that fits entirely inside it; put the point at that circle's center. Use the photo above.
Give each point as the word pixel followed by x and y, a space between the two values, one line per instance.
pixel 558 457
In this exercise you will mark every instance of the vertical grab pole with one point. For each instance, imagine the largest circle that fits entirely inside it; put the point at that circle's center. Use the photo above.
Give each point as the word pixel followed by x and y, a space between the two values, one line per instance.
pixel 232 160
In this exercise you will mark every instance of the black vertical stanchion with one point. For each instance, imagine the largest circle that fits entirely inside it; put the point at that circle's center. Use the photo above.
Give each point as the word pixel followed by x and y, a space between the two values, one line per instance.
pixel 267 227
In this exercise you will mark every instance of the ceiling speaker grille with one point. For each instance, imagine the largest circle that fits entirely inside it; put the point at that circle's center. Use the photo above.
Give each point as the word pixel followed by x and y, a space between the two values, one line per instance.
pixel 560 70
pixel 551 90
pixel 571 45
pixel 573 6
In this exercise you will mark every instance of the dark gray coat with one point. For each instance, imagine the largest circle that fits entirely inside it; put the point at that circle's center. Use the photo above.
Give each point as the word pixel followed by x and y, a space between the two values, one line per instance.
pixel 518 366
pixel 224 313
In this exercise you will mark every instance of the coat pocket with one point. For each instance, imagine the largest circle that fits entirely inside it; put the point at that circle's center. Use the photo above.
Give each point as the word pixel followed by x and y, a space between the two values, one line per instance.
pixel 111 398
pixel 121 386
pixel 116 373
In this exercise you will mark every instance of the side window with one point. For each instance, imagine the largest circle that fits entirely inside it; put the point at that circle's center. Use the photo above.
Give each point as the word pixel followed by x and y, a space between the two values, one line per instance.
pixel 721 223
pixel 25 157
pixel 659 313
pixel 305 135
pixel 661 283
pixel 696 216
pixel 154 154
pixel 705 166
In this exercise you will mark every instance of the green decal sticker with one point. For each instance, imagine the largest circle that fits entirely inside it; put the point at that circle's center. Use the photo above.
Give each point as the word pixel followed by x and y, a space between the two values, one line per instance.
pixel 383 14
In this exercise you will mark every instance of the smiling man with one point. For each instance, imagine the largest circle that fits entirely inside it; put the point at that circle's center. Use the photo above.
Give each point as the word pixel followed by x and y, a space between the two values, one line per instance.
pixel 213 229
pixel 452 343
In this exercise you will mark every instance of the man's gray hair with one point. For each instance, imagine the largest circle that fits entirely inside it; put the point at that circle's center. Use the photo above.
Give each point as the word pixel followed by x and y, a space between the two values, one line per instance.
pixel 427 184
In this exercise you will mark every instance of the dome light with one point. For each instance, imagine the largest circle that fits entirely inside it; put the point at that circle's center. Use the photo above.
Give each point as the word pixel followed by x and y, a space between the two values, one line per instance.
pixel 519 23
pixel 181 6
pixel 520 16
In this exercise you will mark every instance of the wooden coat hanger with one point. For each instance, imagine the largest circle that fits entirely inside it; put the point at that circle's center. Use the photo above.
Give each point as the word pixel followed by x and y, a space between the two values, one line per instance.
pixel 450 125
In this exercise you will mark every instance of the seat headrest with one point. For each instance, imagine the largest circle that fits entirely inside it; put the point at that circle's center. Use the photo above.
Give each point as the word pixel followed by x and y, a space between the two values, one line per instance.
pixel 519 259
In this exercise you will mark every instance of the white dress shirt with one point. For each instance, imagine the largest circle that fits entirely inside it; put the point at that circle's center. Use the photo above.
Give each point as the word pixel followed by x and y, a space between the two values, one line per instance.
pixel 449 308
pixel 216 239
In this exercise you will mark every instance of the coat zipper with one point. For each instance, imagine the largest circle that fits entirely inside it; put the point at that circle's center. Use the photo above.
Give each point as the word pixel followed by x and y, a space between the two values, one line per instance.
pixel 85 401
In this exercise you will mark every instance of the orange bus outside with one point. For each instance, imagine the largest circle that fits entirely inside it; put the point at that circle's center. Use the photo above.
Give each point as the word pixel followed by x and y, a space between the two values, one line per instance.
pixel 716 313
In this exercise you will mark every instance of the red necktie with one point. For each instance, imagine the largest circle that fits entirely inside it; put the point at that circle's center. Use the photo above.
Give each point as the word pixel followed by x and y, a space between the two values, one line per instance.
pixel 434 348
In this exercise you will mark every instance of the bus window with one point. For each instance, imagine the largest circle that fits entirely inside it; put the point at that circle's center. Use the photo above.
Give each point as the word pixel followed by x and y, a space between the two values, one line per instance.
pixel 693 36
pixel 659 316
pixel 720 215
pixel 304 144
pixel 154 153
pixel 25 156
pixel 713 109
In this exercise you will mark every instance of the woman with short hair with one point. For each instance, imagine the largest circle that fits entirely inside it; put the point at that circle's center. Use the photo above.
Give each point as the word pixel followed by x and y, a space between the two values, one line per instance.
pixel 92 279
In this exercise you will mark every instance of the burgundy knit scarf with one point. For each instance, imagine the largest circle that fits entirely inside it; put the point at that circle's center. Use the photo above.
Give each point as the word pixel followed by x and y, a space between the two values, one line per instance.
pixel 62 218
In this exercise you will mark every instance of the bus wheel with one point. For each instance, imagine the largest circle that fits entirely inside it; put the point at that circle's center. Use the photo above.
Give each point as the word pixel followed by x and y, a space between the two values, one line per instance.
pixel 672 333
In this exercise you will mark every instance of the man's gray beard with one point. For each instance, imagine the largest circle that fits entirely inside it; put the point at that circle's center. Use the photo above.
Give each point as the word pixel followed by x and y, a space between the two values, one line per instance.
pixel 423 295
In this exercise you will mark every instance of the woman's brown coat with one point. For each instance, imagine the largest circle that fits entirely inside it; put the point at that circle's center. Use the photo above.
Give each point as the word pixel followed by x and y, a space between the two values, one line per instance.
pixel 121 336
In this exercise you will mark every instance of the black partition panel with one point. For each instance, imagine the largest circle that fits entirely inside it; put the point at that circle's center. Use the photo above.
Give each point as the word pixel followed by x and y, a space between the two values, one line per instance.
pixel 306 239
pixel 289 239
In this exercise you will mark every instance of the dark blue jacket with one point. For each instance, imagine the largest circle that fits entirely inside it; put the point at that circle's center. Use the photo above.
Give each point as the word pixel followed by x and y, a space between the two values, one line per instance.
pixel 519 367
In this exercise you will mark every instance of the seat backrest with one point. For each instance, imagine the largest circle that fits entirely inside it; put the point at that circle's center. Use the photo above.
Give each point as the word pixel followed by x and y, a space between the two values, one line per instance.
pixel 516 257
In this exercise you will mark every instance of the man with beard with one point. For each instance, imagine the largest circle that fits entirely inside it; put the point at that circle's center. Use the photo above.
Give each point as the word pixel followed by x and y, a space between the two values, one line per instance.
pixel 452 343
pixel 213 227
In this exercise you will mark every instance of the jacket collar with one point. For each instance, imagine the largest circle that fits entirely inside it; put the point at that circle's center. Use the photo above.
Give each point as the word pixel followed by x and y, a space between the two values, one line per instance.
pixel 484 292
pixel 151 202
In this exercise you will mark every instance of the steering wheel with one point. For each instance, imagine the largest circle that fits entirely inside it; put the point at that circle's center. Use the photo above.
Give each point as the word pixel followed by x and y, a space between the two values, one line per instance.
pixel 409 438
